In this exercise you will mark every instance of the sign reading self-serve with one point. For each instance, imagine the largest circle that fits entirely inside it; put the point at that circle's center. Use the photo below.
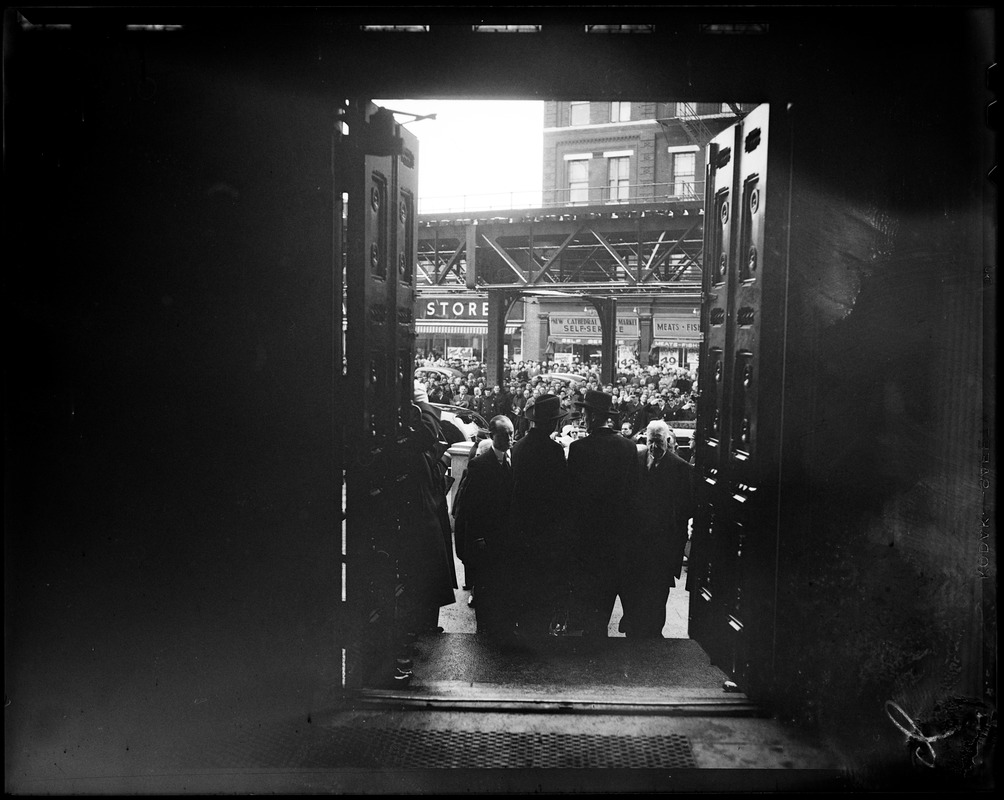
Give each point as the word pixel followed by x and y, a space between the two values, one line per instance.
pixel 588 325
pixel 462 308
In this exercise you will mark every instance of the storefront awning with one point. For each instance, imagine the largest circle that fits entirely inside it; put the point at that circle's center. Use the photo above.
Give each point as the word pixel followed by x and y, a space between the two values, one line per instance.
pixel 469 330
pixel 676 344
pixel 573 340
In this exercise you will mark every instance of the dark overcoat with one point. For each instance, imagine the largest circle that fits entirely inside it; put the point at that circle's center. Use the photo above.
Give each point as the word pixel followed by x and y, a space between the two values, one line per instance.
pixel 439 461
pixel 603 474
pixel 424 558
pixel 483 513
pixel 540 529
pixel 652 557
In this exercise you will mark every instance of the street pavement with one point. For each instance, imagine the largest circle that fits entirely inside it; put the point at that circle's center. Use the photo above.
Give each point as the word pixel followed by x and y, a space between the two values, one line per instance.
pixel 459 617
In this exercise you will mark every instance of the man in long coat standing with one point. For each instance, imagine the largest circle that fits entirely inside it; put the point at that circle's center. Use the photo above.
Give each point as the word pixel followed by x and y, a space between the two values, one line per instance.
pixel 438 461
pixel 603 472
pixel 483 522
pixel 426 553
pixel 539 520
pixel 652 558
pixel 419 544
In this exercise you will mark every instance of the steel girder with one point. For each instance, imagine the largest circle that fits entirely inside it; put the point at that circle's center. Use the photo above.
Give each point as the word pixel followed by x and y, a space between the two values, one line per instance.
pixel 635 249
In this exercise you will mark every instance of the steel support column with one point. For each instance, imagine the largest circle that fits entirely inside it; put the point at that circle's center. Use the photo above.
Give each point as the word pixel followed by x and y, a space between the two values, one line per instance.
pixel 645 337
pixel 500 302
pixel 471 249
pixel 606 308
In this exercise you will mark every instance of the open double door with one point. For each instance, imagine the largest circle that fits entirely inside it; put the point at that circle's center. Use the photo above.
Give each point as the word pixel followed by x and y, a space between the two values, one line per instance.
pixel 732 571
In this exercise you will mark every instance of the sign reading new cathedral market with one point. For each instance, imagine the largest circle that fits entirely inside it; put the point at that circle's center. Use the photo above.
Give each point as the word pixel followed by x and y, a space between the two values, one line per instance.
pixel 585 327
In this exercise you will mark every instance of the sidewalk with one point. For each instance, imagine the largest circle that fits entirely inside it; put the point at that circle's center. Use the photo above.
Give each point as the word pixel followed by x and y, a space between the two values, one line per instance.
pixel 459 617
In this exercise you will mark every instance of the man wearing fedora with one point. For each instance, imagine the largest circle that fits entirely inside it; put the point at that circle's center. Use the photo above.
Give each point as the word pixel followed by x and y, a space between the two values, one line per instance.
pixel 539 525
pixel 603 472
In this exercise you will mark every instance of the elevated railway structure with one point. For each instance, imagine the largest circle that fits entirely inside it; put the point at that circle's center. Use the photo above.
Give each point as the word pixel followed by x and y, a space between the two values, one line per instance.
pixel 602 253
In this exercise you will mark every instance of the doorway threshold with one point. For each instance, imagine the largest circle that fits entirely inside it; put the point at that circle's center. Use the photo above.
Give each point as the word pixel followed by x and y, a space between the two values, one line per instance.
pixel 524 698
pixel 458 671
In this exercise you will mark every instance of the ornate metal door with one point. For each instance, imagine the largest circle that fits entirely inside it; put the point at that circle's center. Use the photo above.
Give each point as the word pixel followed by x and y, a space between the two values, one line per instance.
pixel 375 174
pixel 732 570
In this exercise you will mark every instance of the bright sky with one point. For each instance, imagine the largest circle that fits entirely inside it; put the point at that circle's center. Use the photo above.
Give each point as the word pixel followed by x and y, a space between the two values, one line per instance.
pixel 476 154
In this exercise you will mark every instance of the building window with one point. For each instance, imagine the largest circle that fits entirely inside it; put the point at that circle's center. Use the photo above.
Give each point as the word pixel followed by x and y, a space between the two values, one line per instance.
pixel 618 179
pixel 578 113
pixel 620 112
pixel 578 181
pixel 684 172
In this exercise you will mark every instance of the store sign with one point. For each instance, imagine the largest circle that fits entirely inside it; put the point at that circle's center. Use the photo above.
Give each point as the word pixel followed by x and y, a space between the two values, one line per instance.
pixel 677 327
pixel 456 308
pixel 587 326
pixel 676 344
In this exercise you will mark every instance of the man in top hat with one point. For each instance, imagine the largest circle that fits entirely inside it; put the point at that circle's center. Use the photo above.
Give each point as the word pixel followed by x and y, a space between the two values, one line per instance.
pixel 603 472
pixel 539 529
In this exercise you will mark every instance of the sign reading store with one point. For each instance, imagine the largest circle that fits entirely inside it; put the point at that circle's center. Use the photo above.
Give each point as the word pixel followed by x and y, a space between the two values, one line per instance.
pixel 456 308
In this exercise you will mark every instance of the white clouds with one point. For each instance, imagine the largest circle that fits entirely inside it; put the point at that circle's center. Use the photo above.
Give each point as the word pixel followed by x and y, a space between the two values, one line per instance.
pixel 476 154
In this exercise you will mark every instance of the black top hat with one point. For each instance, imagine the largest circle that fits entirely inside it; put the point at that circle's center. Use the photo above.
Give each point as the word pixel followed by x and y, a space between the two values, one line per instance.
pixel 545 408
pixel 599 402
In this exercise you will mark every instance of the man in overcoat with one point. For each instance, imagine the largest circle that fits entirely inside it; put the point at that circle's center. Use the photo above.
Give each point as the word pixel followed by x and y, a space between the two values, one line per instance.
pixel 419 538
pixel 427 549
pixel 483 521
pixel 603 473
pixel 539 521
pixel 652 558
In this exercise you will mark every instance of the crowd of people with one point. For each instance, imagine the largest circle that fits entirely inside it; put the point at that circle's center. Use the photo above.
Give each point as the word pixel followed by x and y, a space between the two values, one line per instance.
pixel 549 541
pixel 640 393
pixel 551 529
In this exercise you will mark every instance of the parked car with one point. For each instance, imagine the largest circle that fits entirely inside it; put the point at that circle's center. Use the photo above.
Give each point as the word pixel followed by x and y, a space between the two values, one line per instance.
pixel 446 372
pixel 461 424
pixel 684 430
pixel 458 424
pixel 567 377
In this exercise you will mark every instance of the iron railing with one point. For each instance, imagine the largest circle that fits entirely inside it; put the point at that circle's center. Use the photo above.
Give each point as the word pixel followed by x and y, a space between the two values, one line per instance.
pixel 676 191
